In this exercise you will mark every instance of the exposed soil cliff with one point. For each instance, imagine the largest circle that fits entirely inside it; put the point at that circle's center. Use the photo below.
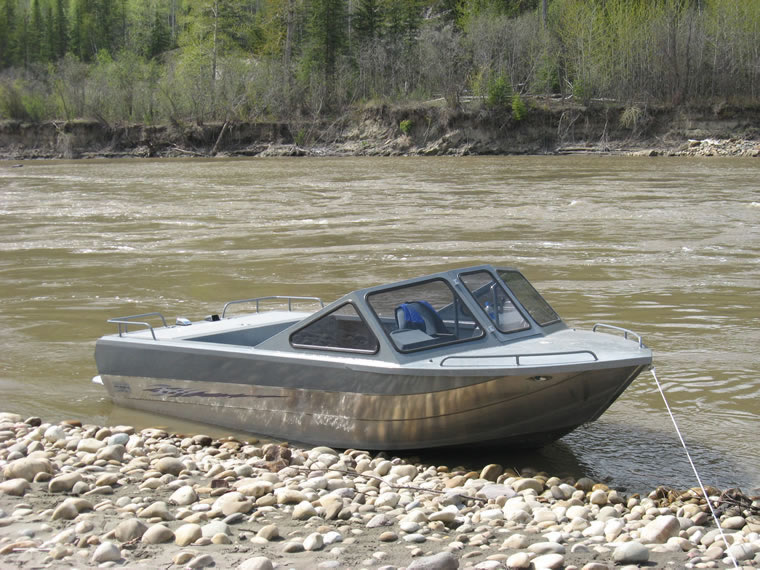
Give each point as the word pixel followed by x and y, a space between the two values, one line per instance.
pixel 547 127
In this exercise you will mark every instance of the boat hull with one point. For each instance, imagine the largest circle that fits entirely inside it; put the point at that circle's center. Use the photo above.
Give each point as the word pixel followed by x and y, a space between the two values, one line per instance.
pixel 517 410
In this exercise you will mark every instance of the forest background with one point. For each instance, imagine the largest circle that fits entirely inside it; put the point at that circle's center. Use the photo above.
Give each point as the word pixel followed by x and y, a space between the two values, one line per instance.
pixel 174 61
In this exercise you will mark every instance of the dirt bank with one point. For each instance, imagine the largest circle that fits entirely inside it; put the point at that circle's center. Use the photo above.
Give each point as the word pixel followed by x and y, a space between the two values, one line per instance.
pixel 548 127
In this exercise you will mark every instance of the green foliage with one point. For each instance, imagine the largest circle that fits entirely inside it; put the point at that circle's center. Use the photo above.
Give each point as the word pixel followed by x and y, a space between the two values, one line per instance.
pixel 519 109
pixel 202 60
pixel 405 126
pixel 11 103
pixel 18 101
pixel 498 92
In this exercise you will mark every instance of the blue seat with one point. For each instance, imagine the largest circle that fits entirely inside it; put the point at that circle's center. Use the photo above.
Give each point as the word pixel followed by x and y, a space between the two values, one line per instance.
pixel 420 315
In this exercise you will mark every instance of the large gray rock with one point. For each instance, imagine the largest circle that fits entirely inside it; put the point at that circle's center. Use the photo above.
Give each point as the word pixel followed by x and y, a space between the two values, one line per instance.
pixel 130 529
pixel 106 552
pixel 630 553
pixel 14 487
pixel 187 534
pixel 27 468
pixel 183 496
pixel 256 563
pixel 170 465
pixel 64 483
pixel 440 561
pixel 158 534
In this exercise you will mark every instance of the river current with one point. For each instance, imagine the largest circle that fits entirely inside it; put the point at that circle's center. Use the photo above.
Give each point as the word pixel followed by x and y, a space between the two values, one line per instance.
pixel 668 247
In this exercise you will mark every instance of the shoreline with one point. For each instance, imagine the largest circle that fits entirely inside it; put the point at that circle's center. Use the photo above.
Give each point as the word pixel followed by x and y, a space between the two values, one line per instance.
pixel 95 496
pixel 551 127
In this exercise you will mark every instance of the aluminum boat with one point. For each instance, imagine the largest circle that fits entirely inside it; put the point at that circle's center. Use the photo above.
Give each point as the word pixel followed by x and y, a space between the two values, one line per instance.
pixel 461 357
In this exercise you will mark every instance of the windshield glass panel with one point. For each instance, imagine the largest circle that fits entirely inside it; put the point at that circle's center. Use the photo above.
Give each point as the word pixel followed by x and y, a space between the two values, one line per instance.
pixel 423 315
pixel 494 301
pixel 342 329
pixel 528 297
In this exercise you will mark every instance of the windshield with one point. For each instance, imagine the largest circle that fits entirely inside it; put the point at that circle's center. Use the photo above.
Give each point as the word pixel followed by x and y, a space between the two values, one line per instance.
pixel 423 315
pixel 494 301
pixel 528 297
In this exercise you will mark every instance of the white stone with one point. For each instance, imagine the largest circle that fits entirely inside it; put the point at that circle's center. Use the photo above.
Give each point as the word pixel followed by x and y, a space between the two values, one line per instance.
pixel 90 445
pixel 256 563
pixel 526 484
pixel 519 560
pixel 612 529
pixel 660 530
pixel 388 499
pixel 170 465
pixel 630 553
pixel 183 496
pixel 214 528
pixel 440 561
pixel 598 497
pixel 733 523
pixel 106 552
pixel 577 511
pixel 55 433
pixel 516 541
pixel 268 532
pixel 404 470
pixel 158 534
pixel 596 528
pixel 742 552
pixel 187 534
pixel 159 509
pixel 303 511
pixel 546 548
pixel 129 529
pixel 65 482
pixel 286 496
pixel 447 515
pixel 491 514
pixel 14 487
pixel 27 468
pixel 200 561
pixel 256 488
pixel 548 562
pixel 313 542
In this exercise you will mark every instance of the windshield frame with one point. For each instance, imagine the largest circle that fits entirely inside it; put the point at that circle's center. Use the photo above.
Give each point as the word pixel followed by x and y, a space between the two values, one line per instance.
pixel 419 340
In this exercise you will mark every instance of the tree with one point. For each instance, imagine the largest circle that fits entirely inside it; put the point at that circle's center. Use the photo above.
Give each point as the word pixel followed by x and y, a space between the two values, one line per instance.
pixel 327 31
pixel 160 37
pixel 36 34
pixel 8 34
pixel 60 30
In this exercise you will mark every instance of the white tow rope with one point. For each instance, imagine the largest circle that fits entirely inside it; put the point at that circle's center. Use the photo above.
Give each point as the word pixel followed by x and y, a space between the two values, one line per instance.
pixel 693 467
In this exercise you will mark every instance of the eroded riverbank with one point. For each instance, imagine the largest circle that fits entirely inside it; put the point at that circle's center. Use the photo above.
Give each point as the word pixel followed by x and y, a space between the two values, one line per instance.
pixel 425 129
pixel 87 495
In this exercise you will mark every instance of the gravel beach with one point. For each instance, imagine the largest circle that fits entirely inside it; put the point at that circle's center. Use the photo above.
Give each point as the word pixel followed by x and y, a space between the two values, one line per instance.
pixel 84 496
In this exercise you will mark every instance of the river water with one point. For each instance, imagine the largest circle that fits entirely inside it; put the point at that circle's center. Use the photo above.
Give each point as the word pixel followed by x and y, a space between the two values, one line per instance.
pixel 667 247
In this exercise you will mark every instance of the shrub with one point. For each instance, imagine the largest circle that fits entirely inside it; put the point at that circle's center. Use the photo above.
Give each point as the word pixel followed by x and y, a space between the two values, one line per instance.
pixel 631 117
pixel 405 126
pixel 499 92
pixel 519 109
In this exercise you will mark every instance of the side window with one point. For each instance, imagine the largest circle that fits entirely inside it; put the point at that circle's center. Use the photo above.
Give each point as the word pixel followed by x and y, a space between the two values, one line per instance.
pixel 535 304
pixel 342 329
pixel 494 301
pixel 423 315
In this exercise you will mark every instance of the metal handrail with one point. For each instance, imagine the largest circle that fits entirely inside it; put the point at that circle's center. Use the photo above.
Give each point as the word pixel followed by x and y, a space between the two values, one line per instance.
pixel 517 357
pixel 126 321
pixel 625 332
pixel 258 300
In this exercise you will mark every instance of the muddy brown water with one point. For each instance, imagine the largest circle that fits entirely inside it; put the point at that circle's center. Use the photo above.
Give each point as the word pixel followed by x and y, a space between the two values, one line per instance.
pixel 669 247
